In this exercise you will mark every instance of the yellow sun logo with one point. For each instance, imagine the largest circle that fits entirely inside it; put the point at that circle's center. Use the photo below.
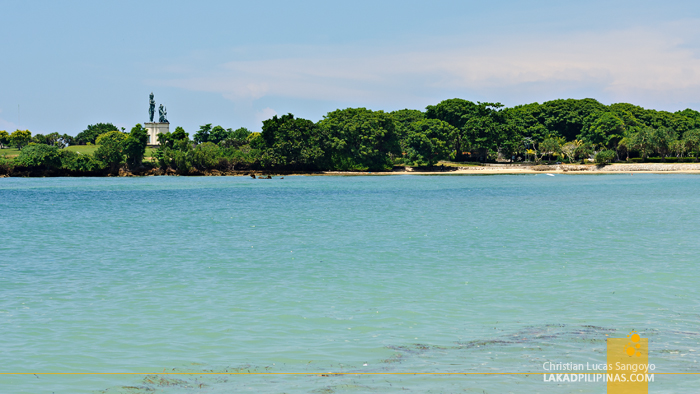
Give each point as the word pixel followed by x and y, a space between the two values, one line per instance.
pixel 632 348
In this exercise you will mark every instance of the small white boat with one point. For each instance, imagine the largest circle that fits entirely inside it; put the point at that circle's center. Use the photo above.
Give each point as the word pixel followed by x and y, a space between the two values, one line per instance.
pixel 550 174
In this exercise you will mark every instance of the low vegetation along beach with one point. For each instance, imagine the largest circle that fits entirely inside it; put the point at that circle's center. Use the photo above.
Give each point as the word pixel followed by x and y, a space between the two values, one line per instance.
pixel 455 136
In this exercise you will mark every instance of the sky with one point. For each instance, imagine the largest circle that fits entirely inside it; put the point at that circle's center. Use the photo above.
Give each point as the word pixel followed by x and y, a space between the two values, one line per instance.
pixel 66 64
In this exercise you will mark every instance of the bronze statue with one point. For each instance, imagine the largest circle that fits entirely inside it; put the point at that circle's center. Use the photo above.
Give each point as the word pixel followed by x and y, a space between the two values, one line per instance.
pixel 151 107
pixel 163 114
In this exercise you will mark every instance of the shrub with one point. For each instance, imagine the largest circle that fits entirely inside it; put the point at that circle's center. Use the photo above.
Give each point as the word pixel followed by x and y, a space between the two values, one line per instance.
pixel 75 161
pixel 604 156
pixel 6 165
pixel 205 155
pixel 111 150
pixel 39 156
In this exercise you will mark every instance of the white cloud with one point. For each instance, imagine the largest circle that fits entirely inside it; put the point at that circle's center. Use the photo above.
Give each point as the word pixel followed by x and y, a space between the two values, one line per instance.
pixel 264 114
pixel 625 65
pixel 7 126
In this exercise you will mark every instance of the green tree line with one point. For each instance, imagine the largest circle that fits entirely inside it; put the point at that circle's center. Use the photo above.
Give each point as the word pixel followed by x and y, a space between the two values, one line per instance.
pixel 359 139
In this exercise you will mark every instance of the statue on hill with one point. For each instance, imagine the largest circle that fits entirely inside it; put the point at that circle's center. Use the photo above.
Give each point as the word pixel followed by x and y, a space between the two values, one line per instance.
pixel 151 107
pixel 163 114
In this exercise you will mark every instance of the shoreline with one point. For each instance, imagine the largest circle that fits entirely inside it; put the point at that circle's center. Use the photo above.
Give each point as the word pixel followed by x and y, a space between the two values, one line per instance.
pixel 561 169
pixel 491 169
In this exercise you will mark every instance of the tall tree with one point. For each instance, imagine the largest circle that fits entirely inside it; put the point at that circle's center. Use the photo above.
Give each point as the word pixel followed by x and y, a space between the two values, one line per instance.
pixel 90 134
pixel 490 129
pixel 217 134
pixel 236 138
pixel 691 139
pixel 4 138
pixel 427 142
pixel 20 138
pixel 360 139
pixel 644 141
pixel 457 113
pixel 202 135
pixel 135 146
pixel 604 129
pixel 111 149
pixel 289 142
pixel 566 117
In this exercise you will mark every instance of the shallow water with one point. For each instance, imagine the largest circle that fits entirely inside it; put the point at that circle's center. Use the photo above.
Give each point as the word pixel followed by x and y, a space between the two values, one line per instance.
pixel 327 274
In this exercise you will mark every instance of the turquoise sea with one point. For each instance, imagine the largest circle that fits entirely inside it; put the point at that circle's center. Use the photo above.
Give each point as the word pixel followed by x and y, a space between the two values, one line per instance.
pixel 319 274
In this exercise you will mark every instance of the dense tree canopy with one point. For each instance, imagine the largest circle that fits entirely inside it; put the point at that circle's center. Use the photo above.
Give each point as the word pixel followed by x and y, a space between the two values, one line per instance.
pixel 360 139
pixel 134 145
pixel 291 142
pixel 4 138
pixel 90 134
pixel 427 141
pixel 20 138
pixel 111 149
pixel 354 139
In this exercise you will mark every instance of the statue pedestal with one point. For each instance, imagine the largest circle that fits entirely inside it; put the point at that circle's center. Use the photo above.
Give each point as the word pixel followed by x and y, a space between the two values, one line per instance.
pixel 154 129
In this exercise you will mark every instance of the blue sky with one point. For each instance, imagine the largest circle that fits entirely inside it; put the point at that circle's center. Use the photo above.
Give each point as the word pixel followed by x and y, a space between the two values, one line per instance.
pixel 68 64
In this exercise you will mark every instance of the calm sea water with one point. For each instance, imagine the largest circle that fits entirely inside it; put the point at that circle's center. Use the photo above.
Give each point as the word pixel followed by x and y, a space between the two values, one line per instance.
pixel 344 274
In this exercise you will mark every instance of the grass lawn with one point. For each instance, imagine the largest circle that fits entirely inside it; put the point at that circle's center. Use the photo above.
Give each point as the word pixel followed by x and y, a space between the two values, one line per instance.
pixel 83 149
pixel 9 152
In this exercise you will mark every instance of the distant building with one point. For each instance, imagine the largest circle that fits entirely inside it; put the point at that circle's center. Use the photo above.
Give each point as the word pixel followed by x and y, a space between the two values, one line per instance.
pixel 155 128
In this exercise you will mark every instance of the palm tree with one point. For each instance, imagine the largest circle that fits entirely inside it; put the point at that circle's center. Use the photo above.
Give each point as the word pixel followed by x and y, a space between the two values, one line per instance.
pixel 626 142
pixel 691 140
pixel 644 141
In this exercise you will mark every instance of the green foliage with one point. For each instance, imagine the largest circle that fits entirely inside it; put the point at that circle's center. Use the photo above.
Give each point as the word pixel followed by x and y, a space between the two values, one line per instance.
pixel 41 156
pixel 550 146
pixel 77 162
pixel 569 149
pixel 6 165
pixel 236 138
pixel 202 135
pixel 457 113
pixel 90 134
pixel 184 159
pixel 205 156
pixel 111 150
pixel 644 141
pixel 526 121
pixel 53 139
pixel 404 118
pixel 20 138
pixel 691 141
pixel 585 150
pixel 169 139
pixel 110 137
pixel 135 145
pixel 217 134
pixel 427 142
pixel 566 118
pixel 491 129
pixel 4 138
pixel 602 129
pixel 179 134
pixel 359 139
pixel 605 156
pixel 291 142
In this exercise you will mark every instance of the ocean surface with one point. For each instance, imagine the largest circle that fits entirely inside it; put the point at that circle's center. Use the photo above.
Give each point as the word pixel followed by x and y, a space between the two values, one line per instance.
pixel 317 274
